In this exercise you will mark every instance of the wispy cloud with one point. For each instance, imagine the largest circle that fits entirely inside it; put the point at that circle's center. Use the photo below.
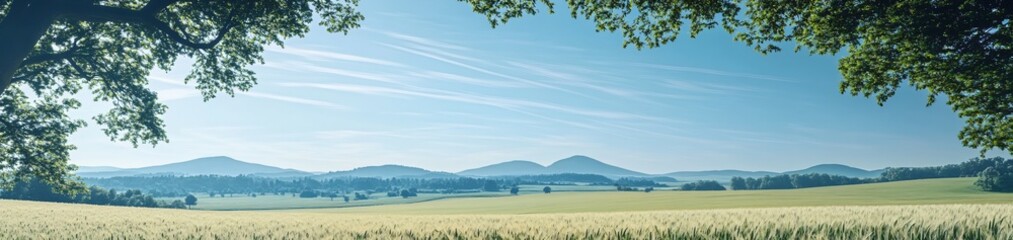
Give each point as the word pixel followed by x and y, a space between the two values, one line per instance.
pixel 176 93
pixel 707 87
pixel 483 70
pixel 422 40
pixel 296 100
pixel 708 71
pixel 474 99
pixel 541 45
pixel 436 75
pixel 179 93
pixel 296 66
pixel 318 54
pixel 576 80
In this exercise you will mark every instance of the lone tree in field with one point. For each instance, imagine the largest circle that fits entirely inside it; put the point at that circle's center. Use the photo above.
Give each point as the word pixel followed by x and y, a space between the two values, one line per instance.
pixel 547 190
pixel 515 190
pixel 191 200
pixel 53 49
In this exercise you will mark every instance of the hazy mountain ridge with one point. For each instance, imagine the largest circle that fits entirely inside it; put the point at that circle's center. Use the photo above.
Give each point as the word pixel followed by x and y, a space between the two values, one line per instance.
pixel 387 171
pixel 83 169
pixel 838 169
pixel 227 166
pixel 508 168
pixel 726 175
pixel 574 164
pixel 219 165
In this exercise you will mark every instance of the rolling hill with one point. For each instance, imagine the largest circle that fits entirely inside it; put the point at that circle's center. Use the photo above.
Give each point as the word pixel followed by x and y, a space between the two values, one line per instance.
pixel 574 164
pixel 926 191
pixel 227 166
pixel 510 168
pixel 84 169
pixel 584 164
pixel 387 171
pixel 838 169
pixel 726 175
pixel 219 165
pixel 719 175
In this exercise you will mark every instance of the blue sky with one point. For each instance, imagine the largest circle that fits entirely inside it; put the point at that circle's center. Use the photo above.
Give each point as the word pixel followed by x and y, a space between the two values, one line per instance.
pixel 430 84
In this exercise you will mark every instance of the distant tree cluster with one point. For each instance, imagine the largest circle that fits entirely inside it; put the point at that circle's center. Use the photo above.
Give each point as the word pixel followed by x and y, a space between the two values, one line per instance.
pixel 994 174
pixel 178 186
pixel 558 179
pixel 997 178
pixel 37 190
pixel 404 193
pixel 793 181
pixel 703 185
pixel 220 186
pixel 361 196
pixel 637 182
pixel 491 186
pixel 970 168
pixel 622 188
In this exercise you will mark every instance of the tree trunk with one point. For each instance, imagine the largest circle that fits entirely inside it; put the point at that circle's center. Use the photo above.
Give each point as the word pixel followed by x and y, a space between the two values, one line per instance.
pixel 20 30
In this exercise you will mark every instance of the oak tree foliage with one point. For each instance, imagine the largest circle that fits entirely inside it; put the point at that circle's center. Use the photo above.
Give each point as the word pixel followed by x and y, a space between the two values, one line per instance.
pixel 54 49
pixel 961 50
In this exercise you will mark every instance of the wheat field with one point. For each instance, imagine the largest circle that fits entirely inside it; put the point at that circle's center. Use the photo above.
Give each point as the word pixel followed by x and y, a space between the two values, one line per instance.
pixel 34 220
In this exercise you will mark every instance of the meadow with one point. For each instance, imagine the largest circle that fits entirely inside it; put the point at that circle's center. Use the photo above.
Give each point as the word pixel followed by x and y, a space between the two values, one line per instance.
pixel 566 199
pixel 921 209
pixel 928 191
pixel 34 220
pixel 274 202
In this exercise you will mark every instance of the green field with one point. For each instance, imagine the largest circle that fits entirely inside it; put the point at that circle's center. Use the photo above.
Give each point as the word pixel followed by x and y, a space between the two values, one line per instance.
pixel 930 191
pixel 275 202
pixel 921 209
pixel 39 220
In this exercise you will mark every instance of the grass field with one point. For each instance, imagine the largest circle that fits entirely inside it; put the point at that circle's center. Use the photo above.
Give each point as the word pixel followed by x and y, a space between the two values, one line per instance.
pixel 930 191
pixel 922 209
pixel 34 220
pixel 275 202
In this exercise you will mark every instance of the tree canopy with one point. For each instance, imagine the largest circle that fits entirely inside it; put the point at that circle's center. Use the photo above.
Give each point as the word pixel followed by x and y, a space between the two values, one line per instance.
pixel 53 49
pixel 961 50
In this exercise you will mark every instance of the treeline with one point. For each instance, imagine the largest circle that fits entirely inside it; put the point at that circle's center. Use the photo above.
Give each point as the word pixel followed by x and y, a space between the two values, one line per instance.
pixel 994 174
pixel 703 185
pixel 557 179
pixel 795 181
pixel 998 177
pixel 37 190
pixel 971 168
pixel 636 182
pixel 178 186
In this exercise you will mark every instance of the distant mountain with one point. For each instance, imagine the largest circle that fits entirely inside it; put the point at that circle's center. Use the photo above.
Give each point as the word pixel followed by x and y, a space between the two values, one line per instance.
pixel 584 164
pixel 220 165
pixel 387 171
pixel 574 164
pixel 838 169
pixel 83 169
pixel 286 174
pixel 578 164
pixel 718 175
pixel 511 168
pixel 726 175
